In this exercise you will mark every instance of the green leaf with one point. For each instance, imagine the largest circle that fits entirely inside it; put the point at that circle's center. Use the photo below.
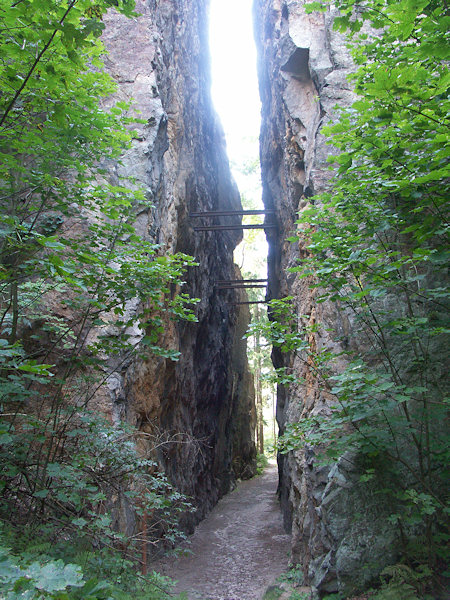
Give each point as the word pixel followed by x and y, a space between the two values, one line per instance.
pixel 38 369
pixel 79 522
pixel 41 494
pixel 55 576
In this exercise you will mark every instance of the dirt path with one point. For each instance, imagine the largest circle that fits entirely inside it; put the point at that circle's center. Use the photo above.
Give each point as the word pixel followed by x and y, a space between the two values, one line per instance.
pixel 238 550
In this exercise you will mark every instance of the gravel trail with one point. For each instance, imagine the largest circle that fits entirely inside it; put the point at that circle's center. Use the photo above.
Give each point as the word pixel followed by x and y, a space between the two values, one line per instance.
pixel 238 550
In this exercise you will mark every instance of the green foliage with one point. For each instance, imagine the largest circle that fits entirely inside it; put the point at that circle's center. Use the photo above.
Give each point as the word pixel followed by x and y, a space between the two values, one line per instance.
pixel 293 576
pixel 273 593
pixel 47 579
pixel 261 463
pixel 290 583
pixel 400 582
pixel 37 580
pixel 378 250
pixel 98 471
pixel 81 295
pixel 258 352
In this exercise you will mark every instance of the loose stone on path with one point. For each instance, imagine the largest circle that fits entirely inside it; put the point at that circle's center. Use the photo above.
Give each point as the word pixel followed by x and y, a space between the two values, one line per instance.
pixel 238 550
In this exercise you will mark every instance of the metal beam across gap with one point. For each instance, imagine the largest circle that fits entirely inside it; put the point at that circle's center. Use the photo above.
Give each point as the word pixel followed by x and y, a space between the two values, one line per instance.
pixel 230 213
pixel 232 227
pixel 249 302
pixel 239 287
pixel 239 281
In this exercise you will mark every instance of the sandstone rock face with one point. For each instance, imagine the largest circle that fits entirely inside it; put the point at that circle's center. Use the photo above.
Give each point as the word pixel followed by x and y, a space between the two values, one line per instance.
pixel 199 411
pixel 303 65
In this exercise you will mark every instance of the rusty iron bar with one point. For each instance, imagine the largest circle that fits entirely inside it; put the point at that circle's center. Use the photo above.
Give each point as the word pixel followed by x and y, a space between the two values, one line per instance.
pixel 239 287
pixel 230 213
pixel 239 281
pixel 240 284
pixel 144 543
pixel 232 227
pixel 249 302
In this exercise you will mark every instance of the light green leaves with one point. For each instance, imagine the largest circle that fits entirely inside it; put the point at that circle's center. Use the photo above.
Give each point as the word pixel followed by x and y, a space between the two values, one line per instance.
pixel 36 580
pixel 54 576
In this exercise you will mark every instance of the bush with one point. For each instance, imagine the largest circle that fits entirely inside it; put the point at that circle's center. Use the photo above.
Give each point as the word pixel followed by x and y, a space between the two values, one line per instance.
pixel 81 295
pixel 47 579
pixel 261 463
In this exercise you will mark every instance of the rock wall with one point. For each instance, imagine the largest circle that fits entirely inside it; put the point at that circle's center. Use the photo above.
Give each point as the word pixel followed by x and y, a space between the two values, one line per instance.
pixel 303 65
pixel 200 408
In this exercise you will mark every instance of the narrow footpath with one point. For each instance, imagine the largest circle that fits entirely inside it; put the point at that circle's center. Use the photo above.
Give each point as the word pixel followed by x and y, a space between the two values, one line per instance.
pixel 238 550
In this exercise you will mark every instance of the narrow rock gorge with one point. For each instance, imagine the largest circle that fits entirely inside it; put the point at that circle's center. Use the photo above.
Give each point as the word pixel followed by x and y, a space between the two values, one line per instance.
pixel 200 409
pixel 119 404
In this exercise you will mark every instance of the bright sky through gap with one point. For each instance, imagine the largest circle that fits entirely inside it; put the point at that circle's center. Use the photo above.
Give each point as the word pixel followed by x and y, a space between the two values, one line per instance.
pixel 234 77
pixel 236 99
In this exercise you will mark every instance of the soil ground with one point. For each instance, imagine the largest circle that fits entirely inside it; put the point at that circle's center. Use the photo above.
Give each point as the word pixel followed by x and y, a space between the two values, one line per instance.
pixel 238 550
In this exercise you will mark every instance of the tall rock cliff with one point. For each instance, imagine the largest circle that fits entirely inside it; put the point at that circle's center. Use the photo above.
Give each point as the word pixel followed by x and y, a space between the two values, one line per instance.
pixel 200 409
pixel 303 68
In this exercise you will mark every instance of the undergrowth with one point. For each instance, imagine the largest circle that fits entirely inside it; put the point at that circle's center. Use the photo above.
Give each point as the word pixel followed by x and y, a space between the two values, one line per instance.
pixel 104 576
pixel 261 463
